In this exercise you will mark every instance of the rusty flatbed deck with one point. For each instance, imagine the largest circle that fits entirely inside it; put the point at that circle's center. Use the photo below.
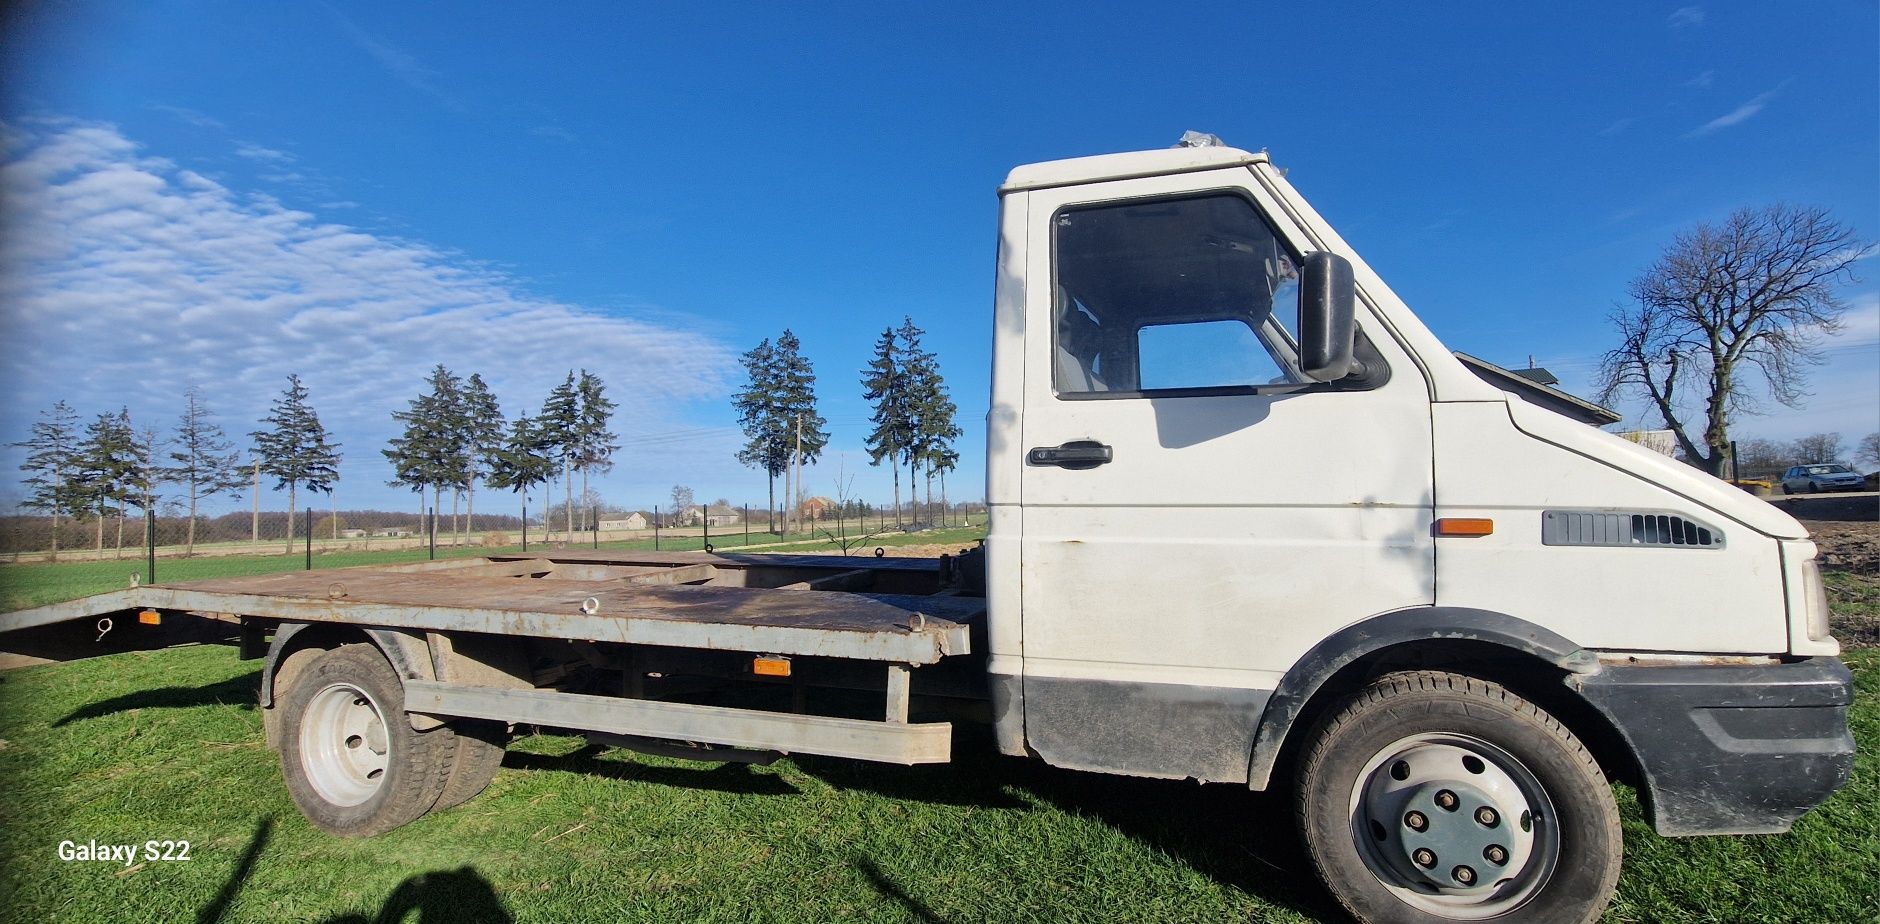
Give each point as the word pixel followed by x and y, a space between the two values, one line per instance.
pixel 782 604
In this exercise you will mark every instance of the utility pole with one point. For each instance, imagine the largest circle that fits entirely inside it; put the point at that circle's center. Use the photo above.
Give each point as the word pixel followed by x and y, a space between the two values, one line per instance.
pixel 255 527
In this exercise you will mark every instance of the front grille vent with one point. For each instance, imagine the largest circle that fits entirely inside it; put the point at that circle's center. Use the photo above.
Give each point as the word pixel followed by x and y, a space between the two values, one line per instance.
pixel 1627 528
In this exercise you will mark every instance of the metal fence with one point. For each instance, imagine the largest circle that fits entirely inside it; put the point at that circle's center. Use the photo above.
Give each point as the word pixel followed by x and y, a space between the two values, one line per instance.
pixel 96 554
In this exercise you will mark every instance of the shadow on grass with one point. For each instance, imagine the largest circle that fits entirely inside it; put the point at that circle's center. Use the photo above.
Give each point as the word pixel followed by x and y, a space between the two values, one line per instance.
pixel 1242 839
pixel 446 897
pixel 458 896
pixel 726 777
pixel 892 889
pixel 213 911
pixel 235 691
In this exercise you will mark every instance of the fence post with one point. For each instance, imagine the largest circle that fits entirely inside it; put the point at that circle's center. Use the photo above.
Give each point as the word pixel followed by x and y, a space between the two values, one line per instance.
pixel 706 520
pixel 655 527
pixel 747 524
pixel 431 530
pixel 309 538
pixel 525 527
pixel 594 523
pixel 150 542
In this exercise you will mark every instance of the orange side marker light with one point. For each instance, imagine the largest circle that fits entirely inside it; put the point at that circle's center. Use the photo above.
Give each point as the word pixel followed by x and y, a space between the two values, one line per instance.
pixel 150 618
pixel 1464 526
pixel 770 667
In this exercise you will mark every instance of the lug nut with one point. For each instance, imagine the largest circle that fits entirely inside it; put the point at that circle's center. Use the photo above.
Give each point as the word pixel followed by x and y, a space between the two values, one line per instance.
pixel 1486 816
pixel 1496 854
pixel 1464 875
pixel 1446 800
pixel 1415 821
pixel 1425 857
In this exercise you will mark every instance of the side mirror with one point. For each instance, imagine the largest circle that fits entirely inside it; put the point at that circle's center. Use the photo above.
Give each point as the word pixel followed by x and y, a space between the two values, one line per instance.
pixel 1328 298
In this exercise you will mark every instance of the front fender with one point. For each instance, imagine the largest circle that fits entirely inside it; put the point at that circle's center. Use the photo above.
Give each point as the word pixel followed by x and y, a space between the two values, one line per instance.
pixel 1428 623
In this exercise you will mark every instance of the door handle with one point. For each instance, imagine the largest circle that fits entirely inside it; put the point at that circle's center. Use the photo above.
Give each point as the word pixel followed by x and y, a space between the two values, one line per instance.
pixel 1076 455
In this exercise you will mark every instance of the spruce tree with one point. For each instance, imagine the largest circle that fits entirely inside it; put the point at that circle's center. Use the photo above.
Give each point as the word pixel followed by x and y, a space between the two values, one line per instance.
pixel 759 405
pixel 560 426
pixel 796 393
pixel 205 461
pixel 524 459
pixel 594 443
pixel 294 448
pixel 482 439
pixel 431 452
pixel 110 463
pixel 52 459
pixel 885 383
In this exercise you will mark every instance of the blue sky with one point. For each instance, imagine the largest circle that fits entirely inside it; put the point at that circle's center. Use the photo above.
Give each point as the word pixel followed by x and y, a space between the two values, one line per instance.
pixel 220 194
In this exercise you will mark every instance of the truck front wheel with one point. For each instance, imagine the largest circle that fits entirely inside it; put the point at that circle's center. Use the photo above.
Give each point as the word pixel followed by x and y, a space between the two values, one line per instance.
pixel 352 762
pixel 1435 797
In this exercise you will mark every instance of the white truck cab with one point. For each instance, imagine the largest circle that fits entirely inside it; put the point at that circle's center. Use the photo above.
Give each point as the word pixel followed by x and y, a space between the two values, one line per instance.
pixel 1249 516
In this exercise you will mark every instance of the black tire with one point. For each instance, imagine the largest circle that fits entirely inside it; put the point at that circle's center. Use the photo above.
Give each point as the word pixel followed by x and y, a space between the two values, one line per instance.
pixel 322 777
pixel 1563 874
pixel 480 748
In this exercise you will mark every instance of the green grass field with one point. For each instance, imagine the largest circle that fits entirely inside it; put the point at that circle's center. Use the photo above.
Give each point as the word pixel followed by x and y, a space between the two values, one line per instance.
pixel 167 746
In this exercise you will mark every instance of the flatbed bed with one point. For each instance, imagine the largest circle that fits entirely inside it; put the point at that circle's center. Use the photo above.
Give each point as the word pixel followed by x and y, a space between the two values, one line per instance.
pixel 876 609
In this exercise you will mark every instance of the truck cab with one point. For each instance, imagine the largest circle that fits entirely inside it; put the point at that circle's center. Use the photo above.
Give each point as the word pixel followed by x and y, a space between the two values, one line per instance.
pixel 1243 503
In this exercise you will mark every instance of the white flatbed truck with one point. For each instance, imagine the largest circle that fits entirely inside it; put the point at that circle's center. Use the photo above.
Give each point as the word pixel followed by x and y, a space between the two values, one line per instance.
pixel 1251 524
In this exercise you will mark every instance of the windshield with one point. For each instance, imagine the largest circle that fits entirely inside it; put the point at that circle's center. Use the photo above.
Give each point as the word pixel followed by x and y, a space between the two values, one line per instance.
pixel 1827 469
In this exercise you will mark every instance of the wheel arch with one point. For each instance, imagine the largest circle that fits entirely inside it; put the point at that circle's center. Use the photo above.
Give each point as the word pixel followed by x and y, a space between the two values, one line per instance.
pixel 296 642
pixel 1529 660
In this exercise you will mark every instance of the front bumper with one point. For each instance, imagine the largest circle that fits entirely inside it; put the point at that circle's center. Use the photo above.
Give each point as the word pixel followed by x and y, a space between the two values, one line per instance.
pixel 1731 749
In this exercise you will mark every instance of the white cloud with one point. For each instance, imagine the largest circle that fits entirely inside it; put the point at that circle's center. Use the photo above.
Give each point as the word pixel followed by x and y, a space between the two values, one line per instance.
pixel 1618 125
pixel 265 155
pixel 397 62
pixel 1685 16
pixel 1702 81
pixel 1735 116
pixel 126 278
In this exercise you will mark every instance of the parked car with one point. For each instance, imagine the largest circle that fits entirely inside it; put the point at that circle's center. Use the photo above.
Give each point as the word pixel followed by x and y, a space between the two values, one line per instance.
pixel 1821 476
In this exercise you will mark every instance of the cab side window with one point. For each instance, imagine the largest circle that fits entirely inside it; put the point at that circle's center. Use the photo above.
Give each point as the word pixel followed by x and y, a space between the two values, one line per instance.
pixel 1171 296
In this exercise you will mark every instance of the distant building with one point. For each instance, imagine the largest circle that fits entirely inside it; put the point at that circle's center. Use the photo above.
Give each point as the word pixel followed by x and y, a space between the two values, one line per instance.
pixel 352 534
pixel 1658 441
pixel 720 516
pixel 634 520
pixel 392 532
pixel 1536 386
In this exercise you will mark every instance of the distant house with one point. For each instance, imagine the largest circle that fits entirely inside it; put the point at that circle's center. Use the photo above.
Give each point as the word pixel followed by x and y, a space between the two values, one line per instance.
pixel 634 520
pixel 392 532
pixel 720 515
pixel 352 534
pixel 1536 386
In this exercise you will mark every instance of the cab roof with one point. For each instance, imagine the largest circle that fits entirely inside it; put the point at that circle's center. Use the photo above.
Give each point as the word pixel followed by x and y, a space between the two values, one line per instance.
pixel 1124 166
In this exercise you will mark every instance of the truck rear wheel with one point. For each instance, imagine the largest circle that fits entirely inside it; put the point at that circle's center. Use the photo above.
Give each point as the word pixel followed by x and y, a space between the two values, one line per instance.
pixel 352 762
pixel 1435 797
pixel 480 747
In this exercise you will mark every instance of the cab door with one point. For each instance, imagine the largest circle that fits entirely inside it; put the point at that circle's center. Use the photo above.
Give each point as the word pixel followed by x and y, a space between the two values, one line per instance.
pixel 1196 514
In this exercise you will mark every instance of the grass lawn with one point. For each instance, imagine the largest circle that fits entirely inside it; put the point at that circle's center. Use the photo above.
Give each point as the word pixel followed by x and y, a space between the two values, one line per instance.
pixel 167 745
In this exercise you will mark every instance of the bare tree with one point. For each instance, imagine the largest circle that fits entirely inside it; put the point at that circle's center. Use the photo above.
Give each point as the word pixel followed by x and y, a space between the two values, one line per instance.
pixel 1819 447
pixel 1730 312
pixel 1763 457
pixel 1869 450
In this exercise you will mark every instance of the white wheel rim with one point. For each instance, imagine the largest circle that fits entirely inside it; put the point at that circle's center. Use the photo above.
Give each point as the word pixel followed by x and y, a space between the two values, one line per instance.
pixel 1454 826
pixel 343 744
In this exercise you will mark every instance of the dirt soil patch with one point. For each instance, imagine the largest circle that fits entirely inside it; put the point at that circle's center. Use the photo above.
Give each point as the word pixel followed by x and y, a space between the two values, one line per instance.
pixel 1846 527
